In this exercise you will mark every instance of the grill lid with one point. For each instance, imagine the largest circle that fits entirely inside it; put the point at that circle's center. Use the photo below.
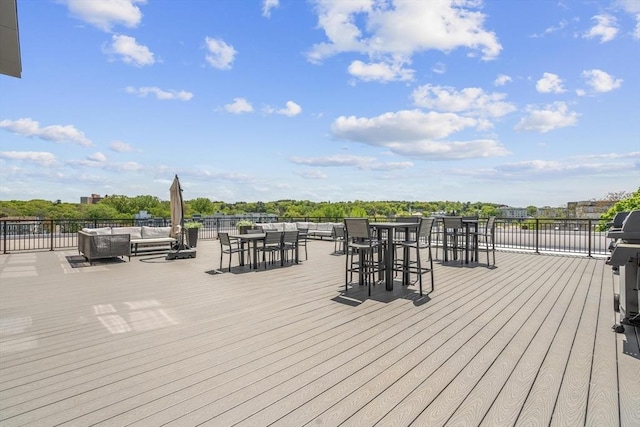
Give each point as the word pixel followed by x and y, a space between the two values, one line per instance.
pixel 630 230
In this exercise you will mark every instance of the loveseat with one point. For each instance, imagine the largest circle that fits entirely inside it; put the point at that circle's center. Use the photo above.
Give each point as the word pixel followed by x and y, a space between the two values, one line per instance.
pixel 106 242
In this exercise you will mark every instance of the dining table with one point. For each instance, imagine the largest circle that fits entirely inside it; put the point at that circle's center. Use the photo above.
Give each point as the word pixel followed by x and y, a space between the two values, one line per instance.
pixel 251 239
pixel 388 231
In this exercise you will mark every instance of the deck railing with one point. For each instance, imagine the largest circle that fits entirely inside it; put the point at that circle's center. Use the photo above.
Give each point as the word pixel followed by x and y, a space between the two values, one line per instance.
pixel 566 235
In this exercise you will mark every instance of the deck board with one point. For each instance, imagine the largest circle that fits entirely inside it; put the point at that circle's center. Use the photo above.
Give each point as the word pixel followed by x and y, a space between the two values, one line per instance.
pixel 152 342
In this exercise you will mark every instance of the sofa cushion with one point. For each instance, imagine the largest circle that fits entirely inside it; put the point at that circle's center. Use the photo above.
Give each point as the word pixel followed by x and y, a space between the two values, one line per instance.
pixel 103 231
pixel 290 226
pixel 155 232
pixel 134 232
pixel 325 226
pixel 267 226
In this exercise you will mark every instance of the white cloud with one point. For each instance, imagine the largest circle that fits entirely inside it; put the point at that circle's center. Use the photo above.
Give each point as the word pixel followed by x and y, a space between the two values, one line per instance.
pixel 439 68
pixel 267 6
pixel 381 71
pixel 41 158
pixel 391 32
pixel 630 6
pixel 220 55
pixel 120 147
pixel 160 94
pixel 471 100
pixel 606 28
pixel 449 150
pixel 601 81
pixel 343 160
pixel 339 160
pixel 238 106
pixel 630 155
pixel 105 14
pixel 502 80
pixel 312 174
pixel 414 134
pixel 57 133
pixel 97 157
pixel 291 109
pixel 552 168
pixel 129 51
pixel 550 83
pixel 405 125
pixel 554 116
pixel 562 24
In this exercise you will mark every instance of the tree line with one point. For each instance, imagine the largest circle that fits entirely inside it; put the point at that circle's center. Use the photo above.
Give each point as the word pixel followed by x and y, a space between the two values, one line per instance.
pixel 124 207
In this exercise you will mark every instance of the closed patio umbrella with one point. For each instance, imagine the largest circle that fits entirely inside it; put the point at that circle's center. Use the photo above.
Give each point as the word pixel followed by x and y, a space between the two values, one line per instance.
pixel 177 208
pixel 177 223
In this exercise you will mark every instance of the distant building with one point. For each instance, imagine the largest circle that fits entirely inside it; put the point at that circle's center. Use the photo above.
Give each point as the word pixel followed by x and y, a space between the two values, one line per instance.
pixel 549 212
pixel 95 198
pixel 591 209
pixel 510 212
pixel 21 224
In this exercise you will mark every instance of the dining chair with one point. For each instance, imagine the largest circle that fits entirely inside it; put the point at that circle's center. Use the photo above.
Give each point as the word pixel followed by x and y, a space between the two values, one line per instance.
pixel 337 235
pixel 230 246
pixel 453 235
pixel 271 244
pixel 359 240
pixel 303 234
pixel 422 241
pixel 290 243
pixel 486 237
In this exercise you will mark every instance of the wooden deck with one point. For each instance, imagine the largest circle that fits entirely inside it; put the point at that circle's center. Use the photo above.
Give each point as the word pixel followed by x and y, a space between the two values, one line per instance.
pixel 153 342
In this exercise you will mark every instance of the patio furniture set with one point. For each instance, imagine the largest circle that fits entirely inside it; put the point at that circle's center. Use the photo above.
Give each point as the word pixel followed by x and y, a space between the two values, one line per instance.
pixel 376 244
pixel 275 244
pixel 371 248
pixel 108 242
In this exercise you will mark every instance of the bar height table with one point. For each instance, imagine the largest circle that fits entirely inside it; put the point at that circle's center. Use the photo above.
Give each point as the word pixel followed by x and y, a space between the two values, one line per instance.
pixel 390 228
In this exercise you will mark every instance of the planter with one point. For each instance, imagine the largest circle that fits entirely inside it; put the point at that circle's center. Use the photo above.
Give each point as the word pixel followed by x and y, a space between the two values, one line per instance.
pixel 192 237
pixel 244 229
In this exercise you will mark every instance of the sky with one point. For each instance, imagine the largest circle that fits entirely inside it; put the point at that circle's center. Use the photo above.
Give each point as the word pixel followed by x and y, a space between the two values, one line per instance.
pixel 529 102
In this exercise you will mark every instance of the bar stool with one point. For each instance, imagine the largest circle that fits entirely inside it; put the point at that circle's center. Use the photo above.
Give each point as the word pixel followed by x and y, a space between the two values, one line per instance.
pixel 422 241
pixel 486 236
pixel 452 237
pixel 360 241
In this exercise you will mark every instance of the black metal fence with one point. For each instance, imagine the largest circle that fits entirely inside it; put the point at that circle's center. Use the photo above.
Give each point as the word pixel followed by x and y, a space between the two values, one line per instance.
pixel 539 235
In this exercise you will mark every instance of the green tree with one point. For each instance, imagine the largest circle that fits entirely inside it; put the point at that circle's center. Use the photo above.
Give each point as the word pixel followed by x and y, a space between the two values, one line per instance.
pixel 202 206
pixel 630 203
pixel 358 212
pixel 102 211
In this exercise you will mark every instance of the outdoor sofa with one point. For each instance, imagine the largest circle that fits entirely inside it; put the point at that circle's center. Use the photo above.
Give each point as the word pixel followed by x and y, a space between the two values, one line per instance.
pixel 107 242
pixel 317 230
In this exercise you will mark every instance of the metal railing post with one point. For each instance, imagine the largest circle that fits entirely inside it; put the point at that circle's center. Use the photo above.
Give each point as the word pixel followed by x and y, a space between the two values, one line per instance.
pixel 51 233
pixel 537 237
pixel 589 238
pixel 4 236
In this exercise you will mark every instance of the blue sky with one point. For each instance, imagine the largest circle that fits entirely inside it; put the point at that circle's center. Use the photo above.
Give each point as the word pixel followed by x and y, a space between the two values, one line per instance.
pixel 514 102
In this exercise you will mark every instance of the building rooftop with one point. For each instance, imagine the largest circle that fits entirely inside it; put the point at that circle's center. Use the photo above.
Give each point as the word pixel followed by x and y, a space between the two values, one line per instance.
pixel 151 341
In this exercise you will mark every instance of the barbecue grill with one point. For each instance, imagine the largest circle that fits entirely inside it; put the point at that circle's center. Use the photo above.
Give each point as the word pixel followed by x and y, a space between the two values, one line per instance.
pixel 625 259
